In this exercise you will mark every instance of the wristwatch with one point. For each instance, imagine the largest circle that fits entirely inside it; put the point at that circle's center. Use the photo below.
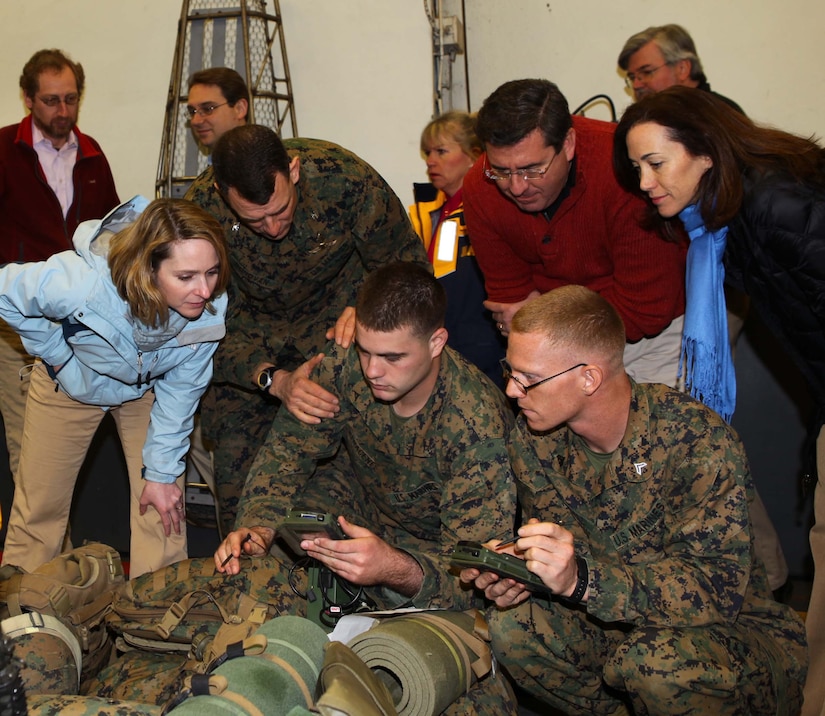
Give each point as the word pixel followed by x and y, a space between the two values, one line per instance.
pixel 264 378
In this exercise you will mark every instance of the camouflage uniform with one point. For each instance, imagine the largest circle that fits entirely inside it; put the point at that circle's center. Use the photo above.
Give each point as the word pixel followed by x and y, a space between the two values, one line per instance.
pixel 420 483
pixel 68 705
pixel 285 294
pixel 680 618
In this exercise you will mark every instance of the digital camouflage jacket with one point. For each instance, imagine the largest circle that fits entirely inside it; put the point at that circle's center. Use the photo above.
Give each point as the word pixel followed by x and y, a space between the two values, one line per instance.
pixel 421 483
pixel 664 524
pixel 285 294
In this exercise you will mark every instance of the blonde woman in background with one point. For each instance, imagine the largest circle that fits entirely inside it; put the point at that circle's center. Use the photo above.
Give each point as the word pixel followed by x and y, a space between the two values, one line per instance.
pixel 450 147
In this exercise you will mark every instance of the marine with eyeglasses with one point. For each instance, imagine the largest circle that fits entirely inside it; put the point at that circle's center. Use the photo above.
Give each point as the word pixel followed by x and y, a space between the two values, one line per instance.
pixel 52 178
pixel 634 502
pixel 545 210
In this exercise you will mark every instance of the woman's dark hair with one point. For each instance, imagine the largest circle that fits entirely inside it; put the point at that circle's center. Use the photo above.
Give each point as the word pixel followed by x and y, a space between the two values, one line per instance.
pixel 706 126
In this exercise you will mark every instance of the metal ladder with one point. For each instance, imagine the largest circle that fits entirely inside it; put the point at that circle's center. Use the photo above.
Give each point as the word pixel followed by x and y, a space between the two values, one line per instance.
pixel 242 35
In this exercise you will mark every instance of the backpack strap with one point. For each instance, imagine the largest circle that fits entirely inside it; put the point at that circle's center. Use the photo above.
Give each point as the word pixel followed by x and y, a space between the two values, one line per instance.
pixel 179 609
pixel 33 623
pixel 12 594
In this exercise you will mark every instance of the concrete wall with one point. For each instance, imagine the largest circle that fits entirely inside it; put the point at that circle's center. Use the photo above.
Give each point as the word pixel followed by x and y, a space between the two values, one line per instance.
pixel 362 72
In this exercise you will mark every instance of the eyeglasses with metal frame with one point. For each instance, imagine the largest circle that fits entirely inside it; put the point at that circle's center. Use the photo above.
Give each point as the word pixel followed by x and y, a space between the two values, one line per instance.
pixel 642 75
pixel 52 100
pixel 500 175
pixel 523 387
pixel 204 110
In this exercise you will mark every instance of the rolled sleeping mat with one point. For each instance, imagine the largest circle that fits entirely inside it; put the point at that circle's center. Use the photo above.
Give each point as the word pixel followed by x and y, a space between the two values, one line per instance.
pixel 427 660
pixel 50 653
pixel 348 687
pixel 282 675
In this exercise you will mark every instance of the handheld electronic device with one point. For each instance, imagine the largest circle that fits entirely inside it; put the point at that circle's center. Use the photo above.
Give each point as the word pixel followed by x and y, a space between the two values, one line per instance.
pixel 476 556
pixel 301 525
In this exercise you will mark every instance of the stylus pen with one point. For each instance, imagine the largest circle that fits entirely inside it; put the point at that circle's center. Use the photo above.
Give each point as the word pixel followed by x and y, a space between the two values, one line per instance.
pixel 502 545
pixel 243 542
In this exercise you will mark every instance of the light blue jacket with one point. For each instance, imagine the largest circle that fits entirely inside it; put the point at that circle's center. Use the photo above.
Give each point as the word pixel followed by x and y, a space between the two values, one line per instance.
pixel 68 312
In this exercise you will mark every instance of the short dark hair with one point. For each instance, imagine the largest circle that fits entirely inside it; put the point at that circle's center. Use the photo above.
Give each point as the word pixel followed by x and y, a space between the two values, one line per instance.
pixel 227 80
pixel 401 295
pixel 49 61
pixel 518 108
pixel 248 158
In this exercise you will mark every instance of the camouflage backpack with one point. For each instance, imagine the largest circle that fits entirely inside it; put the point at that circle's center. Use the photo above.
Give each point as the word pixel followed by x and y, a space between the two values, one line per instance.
pixel 57 614
pixel 183 607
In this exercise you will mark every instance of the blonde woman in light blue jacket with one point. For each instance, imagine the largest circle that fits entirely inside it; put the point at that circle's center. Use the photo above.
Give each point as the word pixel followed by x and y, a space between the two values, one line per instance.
pixel 128 323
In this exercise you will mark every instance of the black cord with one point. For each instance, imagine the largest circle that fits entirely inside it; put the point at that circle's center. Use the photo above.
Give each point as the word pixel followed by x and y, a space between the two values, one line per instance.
pixel 590 101
pixel 329 604
pixel 298 565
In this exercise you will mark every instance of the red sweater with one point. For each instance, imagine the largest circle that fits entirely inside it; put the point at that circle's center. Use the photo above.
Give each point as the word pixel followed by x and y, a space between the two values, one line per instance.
pixel 33 227
pixel 594 240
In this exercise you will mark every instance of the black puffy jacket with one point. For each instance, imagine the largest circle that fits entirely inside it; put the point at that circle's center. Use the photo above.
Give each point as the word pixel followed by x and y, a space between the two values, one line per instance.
pixel 776 254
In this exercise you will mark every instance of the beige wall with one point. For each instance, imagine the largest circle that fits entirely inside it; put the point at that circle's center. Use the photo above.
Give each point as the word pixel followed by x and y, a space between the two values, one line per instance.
pixel 362 73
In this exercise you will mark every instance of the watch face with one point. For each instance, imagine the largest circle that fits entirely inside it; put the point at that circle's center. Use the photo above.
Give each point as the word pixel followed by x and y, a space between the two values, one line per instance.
pixel 264 379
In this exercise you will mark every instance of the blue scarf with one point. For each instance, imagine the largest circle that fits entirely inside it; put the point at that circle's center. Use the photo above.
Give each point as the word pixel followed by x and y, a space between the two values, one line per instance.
pixel 706 359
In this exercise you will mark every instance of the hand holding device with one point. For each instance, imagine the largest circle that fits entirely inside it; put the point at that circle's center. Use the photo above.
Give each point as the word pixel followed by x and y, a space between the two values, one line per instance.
pixel 301 525
pixel 474 555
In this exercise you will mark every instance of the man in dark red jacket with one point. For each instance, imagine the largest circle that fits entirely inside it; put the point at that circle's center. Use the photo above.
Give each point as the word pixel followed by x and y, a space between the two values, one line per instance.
pixel 52 177
pixel 544 210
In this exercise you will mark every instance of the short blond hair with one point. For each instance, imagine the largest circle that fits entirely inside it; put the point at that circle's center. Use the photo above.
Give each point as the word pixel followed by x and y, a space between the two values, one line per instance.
pixel 458 126
pixel 577 319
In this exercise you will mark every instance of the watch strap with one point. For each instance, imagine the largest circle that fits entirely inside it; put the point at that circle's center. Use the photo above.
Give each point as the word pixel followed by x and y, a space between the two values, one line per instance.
pixel 582 582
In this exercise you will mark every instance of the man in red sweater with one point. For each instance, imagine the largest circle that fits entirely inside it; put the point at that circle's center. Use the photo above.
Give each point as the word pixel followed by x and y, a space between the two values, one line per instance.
pixel 52 177
pixel 543 210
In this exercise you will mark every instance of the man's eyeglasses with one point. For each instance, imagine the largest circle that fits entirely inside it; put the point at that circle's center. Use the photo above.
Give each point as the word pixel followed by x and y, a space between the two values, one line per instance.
pixel 52 100
pixel 642 75
pixel 505 175
pixel 204 110
pixel 523 387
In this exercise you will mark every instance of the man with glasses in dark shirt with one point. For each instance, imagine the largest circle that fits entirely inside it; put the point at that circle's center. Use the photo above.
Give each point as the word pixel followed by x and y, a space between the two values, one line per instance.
pixel 661 57
pixel 52 178
pixel 218 101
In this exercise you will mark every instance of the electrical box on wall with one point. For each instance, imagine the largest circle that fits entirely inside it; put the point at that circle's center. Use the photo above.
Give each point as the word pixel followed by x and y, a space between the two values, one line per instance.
pixel 453 36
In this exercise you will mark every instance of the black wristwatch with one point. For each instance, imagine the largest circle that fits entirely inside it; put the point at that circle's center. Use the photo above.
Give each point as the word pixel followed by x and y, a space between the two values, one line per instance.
pixel 264 378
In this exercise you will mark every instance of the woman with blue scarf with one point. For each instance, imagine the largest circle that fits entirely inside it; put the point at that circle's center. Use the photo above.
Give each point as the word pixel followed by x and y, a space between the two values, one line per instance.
pixel 752 200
